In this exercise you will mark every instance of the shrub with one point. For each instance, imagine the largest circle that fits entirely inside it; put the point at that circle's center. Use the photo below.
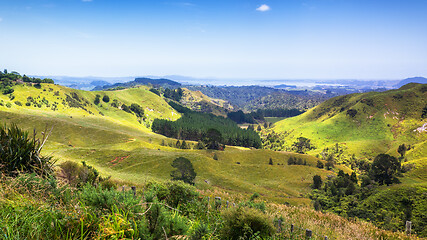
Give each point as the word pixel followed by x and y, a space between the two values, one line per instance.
pixel 352 112
pixel 317 182
pixel 155 91
pixel 180 194
pixel 243 223
pixel 104 199
pixel 18 103
pixel 79 175
pixel 20 153
pixel 199 231
pixel 96 101
pixel 106 98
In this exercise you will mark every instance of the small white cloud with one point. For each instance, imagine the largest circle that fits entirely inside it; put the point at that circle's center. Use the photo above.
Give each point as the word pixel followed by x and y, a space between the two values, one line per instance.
pixel 263 8
pixel 87 0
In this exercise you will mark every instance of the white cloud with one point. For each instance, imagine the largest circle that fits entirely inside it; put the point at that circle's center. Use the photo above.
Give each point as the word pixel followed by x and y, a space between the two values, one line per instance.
pixel 263 8
pixel 86 0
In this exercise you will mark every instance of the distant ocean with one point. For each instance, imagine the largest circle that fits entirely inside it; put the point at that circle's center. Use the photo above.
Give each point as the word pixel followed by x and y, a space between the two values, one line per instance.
pixel 266 83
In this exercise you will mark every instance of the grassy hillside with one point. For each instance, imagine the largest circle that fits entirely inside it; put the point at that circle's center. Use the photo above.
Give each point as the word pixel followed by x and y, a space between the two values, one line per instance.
pixel 364 124
pixel 119 145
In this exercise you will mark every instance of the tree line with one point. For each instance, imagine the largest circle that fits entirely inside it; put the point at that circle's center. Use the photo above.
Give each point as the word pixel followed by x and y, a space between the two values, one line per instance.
pixel 212 130
pixel 8 80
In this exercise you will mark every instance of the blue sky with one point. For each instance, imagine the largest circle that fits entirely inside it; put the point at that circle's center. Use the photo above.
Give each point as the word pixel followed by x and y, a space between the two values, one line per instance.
pixel 271 39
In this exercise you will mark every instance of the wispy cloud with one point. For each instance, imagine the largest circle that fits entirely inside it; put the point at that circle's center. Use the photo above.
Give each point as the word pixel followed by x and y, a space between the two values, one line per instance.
pixel 87 0
pixel 187 4
pixel 263 8
pixel 1 19
pixel 181 4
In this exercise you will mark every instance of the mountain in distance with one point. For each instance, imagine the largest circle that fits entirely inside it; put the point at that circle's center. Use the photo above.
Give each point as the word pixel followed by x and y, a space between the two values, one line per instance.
pixel 162 82
pixel 421 80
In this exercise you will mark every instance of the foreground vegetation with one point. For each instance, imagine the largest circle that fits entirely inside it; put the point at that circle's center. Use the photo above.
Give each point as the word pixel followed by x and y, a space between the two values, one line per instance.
pixel 170 210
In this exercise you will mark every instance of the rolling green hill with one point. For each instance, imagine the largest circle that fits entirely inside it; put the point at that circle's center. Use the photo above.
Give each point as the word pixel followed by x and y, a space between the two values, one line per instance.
pixel 122 145
pixel 364 124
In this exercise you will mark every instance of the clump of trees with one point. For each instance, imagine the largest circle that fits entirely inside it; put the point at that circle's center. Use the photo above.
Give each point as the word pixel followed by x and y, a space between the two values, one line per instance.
pixel 174 94
pixel 8 80
pixel 303 145
pixel 215 132
pixel 352 196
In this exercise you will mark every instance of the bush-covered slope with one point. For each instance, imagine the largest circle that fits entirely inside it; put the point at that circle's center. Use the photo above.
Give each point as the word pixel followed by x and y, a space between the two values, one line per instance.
pixel 364 124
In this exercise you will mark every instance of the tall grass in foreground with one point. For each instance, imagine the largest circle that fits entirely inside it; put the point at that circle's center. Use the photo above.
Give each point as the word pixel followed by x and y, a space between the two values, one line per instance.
pixel 32 207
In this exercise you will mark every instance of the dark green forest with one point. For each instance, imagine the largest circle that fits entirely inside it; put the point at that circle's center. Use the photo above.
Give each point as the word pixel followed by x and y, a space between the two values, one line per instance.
pixel 210 129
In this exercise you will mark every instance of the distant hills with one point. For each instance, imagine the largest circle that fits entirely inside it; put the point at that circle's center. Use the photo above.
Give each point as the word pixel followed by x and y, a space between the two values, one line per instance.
pixel 165 83
pixel 411 80
pixel 251 98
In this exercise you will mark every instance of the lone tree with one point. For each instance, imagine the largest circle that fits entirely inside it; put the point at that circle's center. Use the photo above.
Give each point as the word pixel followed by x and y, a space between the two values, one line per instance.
pixel 106 98
pixel 385 168
pixel 402 150
pixel 317 182
pixel 270 162
pixel 184 170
